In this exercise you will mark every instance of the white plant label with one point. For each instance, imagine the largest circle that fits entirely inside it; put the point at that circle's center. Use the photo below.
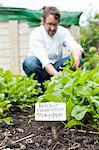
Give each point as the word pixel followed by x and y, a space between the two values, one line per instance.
pixel 50 111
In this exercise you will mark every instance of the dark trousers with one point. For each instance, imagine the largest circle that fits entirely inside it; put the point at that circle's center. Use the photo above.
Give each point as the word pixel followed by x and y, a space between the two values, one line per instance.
pixel 32 65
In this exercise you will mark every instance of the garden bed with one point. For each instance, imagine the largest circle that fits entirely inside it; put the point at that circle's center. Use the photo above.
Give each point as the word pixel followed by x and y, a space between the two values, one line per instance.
pixel 26 133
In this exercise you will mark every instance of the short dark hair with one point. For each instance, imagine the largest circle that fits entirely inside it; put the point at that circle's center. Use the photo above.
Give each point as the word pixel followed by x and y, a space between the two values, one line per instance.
pixel 51 11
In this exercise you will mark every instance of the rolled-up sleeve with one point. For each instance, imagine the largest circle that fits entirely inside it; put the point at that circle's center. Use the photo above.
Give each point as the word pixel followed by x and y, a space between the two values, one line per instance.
pixel 37 49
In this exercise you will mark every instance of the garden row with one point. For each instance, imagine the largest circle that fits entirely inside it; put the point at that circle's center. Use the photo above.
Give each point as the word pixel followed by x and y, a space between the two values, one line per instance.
pixel 78 89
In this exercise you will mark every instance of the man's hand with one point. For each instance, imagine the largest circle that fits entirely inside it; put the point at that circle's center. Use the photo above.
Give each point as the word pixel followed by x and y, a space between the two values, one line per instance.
pixel 76 63
pixel 50 69
pixel 76 54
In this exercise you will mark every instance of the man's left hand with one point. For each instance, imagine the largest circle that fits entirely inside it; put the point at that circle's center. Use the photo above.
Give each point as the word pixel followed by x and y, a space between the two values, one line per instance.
pixel 76 63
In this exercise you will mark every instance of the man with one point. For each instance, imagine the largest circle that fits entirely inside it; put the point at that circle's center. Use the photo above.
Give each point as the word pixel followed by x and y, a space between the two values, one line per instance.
pixel 46 45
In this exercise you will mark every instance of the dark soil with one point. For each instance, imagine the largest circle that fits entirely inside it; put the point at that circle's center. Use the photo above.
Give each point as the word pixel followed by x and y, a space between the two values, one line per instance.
pixel 27 134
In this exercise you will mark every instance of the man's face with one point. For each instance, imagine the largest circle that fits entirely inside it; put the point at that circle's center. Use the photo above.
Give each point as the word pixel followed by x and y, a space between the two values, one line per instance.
pixel 51 25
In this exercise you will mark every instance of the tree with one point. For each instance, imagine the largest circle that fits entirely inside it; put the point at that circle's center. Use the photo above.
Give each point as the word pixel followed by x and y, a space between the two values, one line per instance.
pixel 90 34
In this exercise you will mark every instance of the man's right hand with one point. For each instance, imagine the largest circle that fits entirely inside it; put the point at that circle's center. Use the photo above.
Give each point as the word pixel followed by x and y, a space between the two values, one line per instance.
pixel 50 69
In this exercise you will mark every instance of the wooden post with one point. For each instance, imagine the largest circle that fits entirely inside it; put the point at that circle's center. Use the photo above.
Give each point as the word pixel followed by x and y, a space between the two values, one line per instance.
pixel 14 46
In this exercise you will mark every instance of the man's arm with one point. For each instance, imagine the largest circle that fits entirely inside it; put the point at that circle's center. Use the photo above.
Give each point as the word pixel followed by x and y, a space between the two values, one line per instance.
pixel 73 46
pixel 50 69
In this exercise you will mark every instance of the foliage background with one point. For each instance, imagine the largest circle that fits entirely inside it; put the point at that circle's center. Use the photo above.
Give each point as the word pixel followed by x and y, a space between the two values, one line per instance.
pixel 89 39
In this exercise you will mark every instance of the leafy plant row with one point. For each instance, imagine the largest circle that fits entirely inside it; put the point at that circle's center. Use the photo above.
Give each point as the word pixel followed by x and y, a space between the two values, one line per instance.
pixel 16 90
pixel 80 91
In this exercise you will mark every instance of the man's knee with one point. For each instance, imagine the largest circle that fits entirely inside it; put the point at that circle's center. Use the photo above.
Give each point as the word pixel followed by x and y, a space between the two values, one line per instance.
pixel 30 65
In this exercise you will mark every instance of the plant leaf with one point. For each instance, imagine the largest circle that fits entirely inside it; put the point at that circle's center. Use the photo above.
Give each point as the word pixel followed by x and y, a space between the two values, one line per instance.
pixel 8 120
pixel 79 112
pixel 72 123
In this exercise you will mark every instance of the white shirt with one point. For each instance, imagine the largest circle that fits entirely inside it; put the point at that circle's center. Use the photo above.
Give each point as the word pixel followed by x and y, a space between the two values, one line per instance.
pixel 49 49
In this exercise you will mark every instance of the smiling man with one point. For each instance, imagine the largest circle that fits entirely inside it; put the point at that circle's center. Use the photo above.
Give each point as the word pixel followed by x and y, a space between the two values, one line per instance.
pixel 46 45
